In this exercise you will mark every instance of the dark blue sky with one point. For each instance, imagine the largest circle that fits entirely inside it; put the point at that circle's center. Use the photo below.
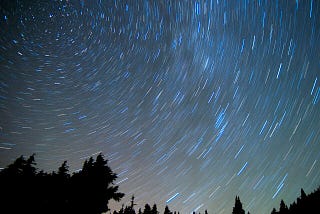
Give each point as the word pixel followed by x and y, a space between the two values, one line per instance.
pixel 192 102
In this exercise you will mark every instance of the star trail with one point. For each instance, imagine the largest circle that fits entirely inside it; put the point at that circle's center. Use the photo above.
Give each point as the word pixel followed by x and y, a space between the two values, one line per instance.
pixel 192 102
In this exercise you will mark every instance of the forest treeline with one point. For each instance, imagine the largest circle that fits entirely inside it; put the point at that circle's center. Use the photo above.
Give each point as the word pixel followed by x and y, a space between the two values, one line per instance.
pixel 25 189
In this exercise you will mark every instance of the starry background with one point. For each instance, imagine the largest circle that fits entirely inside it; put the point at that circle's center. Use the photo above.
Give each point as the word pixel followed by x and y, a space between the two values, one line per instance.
pixel 192 102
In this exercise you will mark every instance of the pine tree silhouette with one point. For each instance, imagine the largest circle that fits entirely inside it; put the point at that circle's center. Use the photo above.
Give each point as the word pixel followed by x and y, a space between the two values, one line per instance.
pixel 130 209
pixel 237 209
pixel 60 190
pixel 154 209
pixel 92 187
pixel 29 191
pixel 147 209
pixel 274 211
pixel 63 170
pixel 89 190
pixel 303 195
pixel 167 211
pixel 19 189
pixel 304 204
pixel 283 208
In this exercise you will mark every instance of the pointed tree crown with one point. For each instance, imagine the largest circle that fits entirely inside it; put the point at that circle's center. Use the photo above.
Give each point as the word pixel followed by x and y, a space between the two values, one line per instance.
pixel 237 209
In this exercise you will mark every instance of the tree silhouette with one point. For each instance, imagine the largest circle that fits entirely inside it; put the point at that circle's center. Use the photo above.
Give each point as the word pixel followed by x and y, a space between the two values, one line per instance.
pixel 25 190
pixel 303 195
pixel 237 209
pixel 167 211
pixel 304 204
pixel 19 180
pixel 29 191
pixel 274 211
pixel 130 209
pixel 147 209
pixel 283 207
pixel 63 170
pixel 92 187
pixel 154 209
pixel 59 189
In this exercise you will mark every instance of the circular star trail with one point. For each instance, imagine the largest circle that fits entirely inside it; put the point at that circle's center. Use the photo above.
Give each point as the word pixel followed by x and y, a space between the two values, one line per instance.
pixel 192 102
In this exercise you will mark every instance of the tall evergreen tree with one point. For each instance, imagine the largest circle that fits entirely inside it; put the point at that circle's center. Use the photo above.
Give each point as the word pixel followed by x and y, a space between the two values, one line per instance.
pixel 63 169
pixel 93 187
pixel 154 209
pixel 60 190
pixel 237 209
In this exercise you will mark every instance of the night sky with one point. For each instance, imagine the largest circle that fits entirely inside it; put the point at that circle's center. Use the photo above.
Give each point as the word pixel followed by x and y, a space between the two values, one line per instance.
pixel 192 102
